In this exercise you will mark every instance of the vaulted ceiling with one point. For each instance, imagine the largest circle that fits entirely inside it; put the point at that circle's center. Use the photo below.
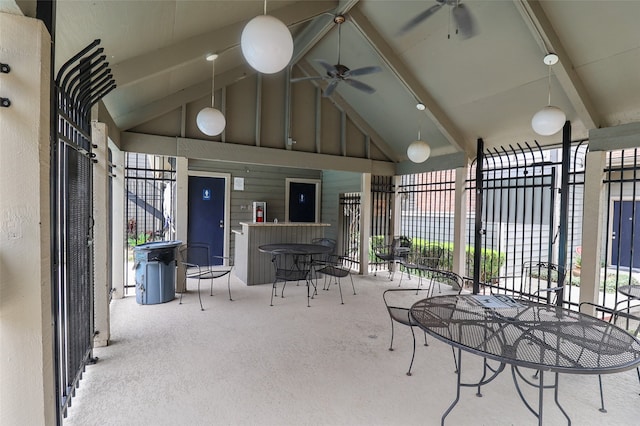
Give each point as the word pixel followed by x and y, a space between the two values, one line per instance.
pixel 487 86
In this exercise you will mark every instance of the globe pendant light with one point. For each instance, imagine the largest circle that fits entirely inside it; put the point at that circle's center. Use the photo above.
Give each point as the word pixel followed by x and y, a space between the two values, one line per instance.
pixel 266 43
pixel 550 119
pixel 419 151
pixel 211 121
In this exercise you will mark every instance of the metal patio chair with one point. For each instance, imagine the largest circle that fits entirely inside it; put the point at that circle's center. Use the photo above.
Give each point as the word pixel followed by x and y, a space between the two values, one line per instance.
pixel 334 268
pixel 196 261
pixel 398 302
pixel 626 317
pixel 393 253
pixel 292 265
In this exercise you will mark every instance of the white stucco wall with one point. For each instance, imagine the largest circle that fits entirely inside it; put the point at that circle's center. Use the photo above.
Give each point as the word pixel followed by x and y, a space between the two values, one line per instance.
pixel 26 342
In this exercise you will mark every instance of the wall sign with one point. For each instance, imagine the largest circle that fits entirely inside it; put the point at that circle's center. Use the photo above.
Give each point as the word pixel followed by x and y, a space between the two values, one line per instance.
pixel 238 184
pixel 206 194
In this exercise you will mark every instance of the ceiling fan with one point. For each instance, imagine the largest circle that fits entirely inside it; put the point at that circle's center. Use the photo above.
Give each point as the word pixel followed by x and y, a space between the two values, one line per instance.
pixel 461 16
pixel 341 73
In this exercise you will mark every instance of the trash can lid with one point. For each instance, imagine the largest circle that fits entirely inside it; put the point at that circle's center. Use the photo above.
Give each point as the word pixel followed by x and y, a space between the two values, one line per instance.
pixel 158 245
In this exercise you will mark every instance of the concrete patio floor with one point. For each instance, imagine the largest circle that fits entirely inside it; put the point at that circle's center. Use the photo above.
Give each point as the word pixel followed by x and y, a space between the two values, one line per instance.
pixel 246 363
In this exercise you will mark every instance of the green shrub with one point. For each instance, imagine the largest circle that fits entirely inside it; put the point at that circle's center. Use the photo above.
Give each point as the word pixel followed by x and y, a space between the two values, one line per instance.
pixel 609 284
pixel 492 261
pixel 142 238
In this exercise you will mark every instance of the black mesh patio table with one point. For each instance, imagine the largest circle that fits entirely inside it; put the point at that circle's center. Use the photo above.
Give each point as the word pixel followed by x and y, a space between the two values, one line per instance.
pixel 525 334
pixel 632 291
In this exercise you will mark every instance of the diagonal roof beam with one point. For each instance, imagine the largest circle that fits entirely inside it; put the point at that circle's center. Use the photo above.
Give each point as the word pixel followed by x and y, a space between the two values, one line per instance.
pixel 317 29
pixel 543 31
pixel 195 48
pixel 376 139
pixel 410 81
pixel 176 100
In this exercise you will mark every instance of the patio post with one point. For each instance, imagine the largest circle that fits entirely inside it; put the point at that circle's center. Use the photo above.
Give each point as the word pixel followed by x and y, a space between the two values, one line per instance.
pixel 592 228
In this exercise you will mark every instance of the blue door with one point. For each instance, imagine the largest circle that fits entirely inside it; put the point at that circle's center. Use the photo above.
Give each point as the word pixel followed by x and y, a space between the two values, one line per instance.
pixel 625 238
pixel 206 214
pixel 302 202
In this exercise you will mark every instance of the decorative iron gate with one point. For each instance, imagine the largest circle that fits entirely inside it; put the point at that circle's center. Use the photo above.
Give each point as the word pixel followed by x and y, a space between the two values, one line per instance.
pixel 349 242
pixel 527 203
pixel 150 203
pixel 80 83
pixel 382 195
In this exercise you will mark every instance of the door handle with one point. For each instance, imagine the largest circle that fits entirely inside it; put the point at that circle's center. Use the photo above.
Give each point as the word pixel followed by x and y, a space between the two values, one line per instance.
pixel 222 224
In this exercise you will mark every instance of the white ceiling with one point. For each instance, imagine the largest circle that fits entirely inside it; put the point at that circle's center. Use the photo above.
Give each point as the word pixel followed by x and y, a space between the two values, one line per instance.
pixel 488 86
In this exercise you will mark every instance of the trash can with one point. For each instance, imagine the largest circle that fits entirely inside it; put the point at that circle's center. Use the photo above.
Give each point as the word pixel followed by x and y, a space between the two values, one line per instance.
pixel 155 266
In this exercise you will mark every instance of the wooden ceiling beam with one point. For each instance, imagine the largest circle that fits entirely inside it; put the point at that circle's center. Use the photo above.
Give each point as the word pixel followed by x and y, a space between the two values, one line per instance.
pixel 541 28
pixel 190 94
pixel 195 48
pixel 434 111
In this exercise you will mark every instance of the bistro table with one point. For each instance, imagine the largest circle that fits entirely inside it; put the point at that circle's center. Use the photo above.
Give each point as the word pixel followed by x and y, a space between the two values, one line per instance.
pixel 312 249
pixel 525 334
pixel 631 291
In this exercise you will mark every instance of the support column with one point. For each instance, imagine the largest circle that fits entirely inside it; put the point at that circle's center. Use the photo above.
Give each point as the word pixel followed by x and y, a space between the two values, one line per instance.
pixel 182 202
pixel 101 252
pixel 365 222
pixel 119 249
pixel 27 384
pixel 396 209
pixel 460 223
pixel 592 218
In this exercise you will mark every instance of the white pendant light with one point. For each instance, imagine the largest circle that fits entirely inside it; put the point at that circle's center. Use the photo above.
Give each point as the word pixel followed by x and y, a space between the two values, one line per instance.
pixel 550 119
pixel 419 151
pixel 266 43
pixel 211 121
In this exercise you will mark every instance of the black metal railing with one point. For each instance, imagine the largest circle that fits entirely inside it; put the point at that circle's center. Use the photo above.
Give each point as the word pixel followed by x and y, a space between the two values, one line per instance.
pixel 382 231
pixel 523 218
pixel 621 254
pixel 150 203
pixel 80 83
pixel 428 212
pixel 349 240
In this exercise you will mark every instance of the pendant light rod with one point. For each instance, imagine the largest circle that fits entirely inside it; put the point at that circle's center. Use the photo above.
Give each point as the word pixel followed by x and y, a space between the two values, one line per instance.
pixel 550 59
pixel 213 58
pixel 550 119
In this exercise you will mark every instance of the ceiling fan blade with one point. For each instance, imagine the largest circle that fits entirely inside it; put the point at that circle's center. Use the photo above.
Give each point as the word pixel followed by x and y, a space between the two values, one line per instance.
pixel 360 85
pixel 418 19
pixel 330 88
pixel 295 80
pixel 363 71
pixel 331 70
pixel 464 21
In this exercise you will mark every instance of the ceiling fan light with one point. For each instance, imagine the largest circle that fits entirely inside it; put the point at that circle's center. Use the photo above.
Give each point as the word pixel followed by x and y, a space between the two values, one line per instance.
pixel 548 121
pixel 418 151
pixel 210 121
pixel 266 44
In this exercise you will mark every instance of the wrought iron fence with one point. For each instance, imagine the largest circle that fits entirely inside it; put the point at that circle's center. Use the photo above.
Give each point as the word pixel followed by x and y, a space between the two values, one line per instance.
pixel 81 82
pixel 525 193
pixel 428 213
pixel 150 203
pixel 382 196
pixel 349 241
pixel 621 239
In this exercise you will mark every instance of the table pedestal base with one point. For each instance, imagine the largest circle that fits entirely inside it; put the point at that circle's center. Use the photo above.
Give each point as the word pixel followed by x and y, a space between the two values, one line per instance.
pixel 516 375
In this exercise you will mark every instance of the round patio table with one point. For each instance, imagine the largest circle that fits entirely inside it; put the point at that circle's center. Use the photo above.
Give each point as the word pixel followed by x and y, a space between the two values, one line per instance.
pixel 632 291
pixel 295 247
pixel 522 333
